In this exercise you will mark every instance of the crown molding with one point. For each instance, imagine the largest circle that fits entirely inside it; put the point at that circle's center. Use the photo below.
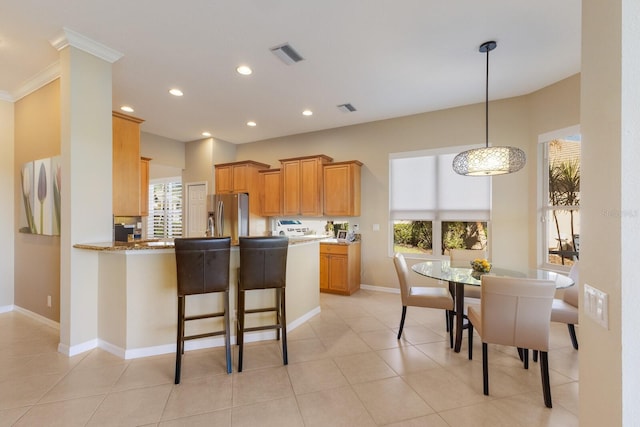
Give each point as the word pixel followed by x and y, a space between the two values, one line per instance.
pixel 69 37
pixel 44 77
pixel 5 96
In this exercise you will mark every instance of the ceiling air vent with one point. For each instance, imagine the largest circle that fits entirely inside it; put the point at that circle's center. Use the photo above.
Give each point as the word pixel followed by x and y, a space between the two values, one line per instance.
pixel 287 54
pixel 346 108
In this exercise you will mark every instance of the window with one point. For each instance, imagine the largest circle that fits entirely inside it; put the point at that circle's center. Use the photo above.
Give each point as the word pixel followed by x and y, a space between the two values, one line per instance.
pixel 560 201
pixel 433 209
pixel 165 208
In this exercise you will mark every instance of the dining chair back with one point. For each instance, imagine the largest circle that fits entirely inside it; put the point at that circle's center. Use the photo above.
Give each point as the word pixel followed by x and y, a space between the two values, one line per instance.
pixel 565 310
pixel 429 297
pixel 202 267
pixel 514 312
pixel 463 258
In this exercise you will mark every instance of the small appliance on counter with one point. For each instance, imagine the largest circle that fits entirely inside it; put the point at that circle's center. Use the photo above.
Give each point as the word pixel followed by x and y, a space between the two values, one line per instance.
pixel 127 229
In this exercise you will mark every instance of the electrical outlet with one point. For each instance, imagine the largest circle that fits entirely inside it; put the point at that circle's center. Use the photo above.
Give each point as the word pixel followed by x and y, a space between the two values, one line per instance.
pixel 596 305
pixel 376 227
pixel 49 301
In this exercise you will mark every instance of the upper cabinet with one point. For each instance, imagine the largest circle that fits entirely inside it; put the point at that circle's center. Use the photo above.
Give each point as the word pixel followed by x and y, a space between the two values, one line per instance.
pixel 270 192
pixel 302 185
pixel 238 177
pixel 126 165
pixel 342 188
pixel 144 186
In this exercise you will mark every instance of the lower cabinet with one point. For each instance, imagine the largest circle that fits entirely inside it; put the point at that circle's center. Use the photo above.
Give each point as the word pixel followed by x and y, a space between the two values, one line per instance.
pixel 340 267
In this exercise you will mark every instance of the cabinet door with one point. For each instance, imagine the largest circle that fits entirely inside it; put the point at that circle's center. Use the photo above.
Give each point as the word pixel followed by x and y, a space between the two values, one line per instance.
pixel 224 179
pixel 240 178
pixel 144 186
pixel 338 273
pixel 270 190
pixel 342 189
pixel 126 165
pixel 311 187
pixel 291 188
pixel 324 271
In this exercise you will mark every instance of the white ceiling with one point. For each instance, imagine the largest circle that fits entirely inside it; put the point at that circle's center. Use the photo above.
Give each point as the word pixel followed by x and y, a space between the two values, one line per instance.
pixel 387 58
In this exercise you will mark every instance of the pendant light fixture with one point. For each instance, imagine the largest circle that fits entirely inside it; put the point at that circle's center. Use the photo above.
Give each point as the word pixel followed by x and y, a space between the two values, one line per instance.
pixel 489 160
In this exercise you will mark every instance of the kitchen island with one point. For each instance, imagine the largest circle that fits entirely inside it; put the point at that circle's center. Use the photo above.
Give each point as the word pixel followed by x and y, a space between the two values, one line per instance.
pixel 137 297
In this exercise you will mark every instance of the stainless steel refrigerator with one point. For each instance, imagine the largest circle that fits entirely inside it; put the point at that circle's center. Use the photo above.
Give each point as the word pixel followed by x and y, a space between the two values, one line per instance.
pixel 230 213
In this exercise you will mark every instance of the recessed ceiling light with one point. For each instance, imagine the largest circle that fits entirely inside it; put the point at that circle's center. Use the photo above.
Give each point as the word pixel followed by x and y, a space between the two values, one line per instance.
pixel 207 134
pixel 126 109
pixel 175 92
pixel 252 124
pixel 307 113
pixel 244 70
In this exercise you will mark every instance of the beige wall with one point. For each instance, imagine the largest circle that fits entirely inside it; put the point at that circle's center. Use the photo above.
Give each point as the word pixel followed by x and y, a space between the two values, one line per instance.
pixel 167 155
pixel 37 257
pixel 610 124
pixel 514 121
pixel 7 225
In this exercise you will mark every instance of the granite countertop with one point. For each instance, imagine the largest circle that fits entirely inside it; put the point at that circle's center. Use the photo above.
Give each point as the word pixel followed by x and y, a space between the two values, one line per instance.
pixel 128 246
pixel 168 244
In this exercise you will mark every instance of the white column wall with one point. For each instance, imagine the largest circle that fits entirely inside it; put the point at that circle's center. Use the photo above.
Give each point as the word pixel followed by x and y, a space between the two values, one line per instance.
pixel 610 125
pixel 86 146
pixel 7 222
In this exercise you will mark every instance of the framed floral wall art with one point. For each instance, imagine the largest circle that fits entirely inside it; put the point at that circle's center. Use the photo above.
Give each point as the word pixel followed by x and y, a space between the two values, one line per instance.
pixel 40 209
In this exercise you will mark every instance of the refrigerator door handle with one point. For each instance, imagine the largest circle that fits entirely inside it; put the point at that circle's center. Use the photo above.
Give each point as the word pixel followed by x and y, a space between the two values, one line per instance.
pixel 220 219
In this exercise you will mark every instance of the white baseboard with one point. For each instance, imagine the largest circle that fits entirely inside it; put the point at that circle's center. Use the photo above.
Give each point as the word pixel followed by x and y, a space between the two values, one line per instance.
pixel 78 348
pixel 6 308
pixel 37 317
pixel 201 343
pixel 380 289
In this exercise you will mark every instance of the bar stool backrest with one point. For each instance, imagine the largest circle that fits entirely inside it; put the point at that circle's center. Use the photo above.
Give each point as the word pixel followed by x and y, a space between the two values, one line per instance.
pixel 202 264
pixel 263 262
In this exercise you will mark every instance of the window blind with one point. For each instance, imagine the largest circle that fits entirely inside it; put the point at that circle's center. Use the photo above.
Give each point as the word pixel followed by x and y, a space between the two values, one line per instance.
pixel 423 186
pixel 165 208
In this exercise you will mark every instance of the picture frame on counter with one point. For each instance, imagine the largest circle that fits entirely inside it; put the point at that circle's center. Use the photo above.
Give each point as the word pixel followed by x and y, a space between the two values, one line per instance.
pixel 342 235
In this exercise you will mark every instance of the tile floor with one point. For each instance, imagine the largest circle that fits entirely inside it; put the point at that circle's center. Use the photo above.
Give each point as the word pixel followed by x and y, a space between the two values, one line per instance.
pixel 345 368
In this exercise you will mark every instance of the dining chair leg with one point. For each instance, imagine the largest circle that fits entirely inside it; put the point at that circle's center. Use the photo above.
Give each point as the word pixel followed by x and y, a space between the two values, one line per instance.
pixel 470 340
pixel 240 334
pixel 450 326
pixel 404 313
pixel 227 329
pixel 535 355
pixel 572 334
pixel 180 339
pixel 525 356
pixel 521 354
pixel 283 326
pixel 485 369
pixel 544 373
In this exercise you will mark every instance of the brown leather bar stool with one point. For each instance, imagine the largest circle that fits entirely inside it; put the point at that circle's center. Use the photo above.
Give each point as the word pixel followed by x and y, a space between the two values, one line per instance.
pixel 263 265
pixel 202 266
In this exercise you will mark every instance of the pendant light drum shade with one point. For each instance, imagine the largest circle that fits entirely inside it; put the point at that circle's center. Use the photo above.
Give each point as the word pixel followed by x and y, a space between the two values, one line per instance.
pixel 489 160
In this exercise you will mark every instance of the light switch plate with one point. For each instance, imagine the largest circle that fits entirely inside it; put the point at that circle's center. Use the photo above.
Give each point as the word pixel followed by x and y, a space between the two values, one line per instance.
pixel 596 305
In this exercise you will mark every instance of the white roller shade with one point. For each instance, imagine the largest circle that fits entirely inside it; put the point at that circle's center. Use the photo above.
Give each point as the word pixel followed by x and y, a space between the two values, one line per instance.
pixel 425 187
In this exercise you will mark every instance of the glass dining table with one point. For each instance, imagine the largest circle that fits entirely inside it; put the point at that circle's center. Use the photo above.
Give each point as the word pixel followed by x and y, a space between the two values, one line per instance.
pixel 458 276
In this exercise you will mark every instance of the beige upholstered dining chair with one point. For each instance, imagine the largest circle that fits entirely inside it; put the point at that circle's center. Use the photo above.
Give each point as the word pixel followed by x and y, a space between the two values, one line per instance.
pixel 565 310
pixel 514 312
pixel 429 297
pixel 463 258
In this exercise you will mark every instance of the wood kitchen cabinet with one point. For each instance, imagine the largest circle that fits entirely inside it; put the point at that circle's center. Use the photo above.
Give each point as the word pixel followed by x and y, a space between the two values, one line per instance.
pixel 342 188
pixel 270 192
pixel 126 165
pixel 302 185
pixel 340 267
pixel 144 186
pixel 238 177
